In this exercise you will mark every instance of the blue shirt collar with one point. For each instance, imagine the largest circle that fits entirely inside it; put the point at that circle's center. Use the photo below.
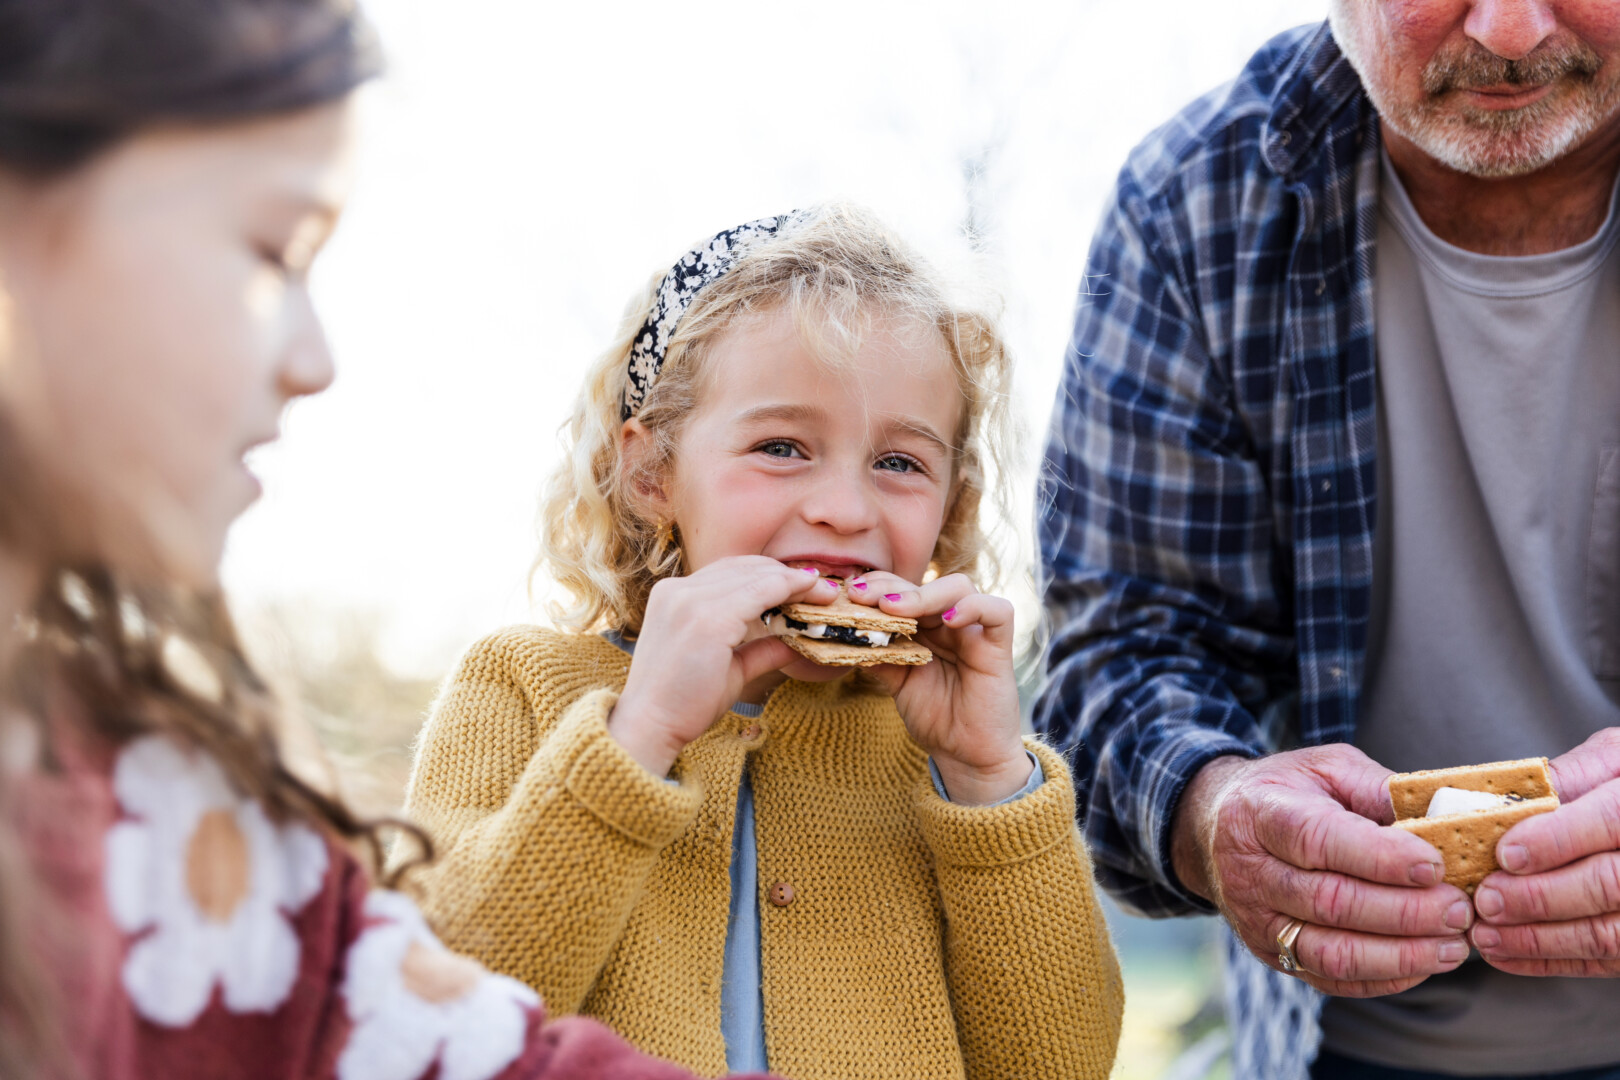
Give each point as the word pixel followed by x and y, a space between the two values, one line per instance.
pixel 1318 84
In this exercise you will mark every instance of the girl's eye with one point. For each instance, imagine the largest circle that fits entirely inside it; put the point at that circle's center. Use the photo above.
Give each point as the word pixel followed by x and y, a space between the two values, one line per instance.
pixel 291 262
pixel 777 448
pixel 898 463
pixel 274 259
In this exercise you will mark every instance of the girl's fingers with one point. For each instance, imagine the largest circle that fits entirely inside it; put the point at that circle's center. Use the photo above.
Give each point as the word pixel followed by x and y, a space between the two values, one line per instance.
pixel 897 596
pixel 759 586
pixel 763 655
pixel 992 613
pixel 725 600
pixel 950 593
pixel 871 587
pixel 891 677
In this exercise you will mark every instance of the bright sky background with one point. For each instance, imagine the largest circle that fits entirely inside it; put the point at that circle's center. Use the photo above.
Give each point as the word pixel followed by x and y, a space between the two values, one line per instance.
pixel 525 166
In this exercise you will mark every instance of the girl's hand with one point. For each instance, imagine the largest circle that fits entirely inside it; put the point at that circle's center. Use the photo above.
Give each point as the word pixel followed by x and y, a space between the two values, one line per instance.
pixel 700 644
pixel 963 707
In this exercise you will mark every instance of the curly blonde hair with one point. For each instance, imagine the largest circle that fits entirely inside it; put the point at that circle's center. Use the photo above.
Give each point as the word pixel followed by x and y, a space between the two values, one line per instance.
pixel 834 273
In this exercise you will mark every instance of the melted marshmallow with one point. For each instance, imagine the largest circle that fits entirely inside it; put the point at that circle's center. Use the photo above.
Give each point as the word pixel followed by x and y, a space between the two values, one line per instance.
pixel 1450 800
pixel 779 624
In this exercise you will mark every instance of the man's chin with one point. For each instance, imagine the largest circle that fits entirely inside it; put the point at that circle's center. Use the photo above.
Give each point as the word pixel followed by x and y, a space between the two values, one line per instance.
pixel 1494 146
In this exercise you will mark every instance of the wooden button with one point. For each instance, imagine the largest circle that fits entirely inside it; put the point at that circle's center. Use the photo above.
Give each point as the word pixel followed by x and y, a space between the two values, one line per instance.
pixel 751 731
pixel 781 894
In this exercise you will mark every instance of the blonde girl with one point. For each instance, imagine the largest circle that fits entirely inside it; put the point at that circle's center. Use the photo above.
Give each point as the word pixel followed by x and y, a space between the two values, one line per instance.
pixel 662 816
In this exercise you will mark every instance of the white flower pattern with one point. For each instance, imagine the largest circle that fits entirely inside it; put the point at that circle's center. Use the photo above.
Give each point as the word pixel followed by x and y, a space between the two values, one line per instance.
pixel 212 878
pixel 703 265
pixel 414 1003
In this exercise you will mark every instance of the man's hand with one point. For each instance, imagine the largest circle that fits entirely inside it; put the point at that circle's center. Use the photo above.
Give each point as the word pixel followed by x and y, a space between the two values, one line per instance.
pixel 1296 835
pixel 1556 909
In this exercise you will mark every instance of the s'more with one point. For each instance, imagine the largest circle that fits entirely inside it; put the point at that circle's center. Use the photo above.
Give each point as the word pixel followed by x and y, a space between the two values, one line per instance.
pixel 846 634
pixel 1464 811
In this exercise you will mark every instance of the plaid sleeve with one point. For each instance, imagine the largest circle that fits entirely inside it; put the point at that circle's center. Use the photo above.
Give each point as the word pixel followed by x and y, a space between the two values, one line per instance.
pixel 1156 530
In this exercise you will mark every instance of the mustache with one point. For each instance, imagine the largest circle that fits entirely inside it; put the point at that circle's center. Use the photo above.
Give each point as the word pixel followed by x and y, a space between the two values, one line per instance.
pixel 1472 66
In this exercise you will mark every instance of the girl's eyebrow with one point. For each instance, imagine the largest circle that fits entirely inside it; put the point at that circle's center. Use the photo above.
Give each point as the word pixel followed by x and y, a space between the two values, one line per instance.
pixel 782 412
pixel 920 428
pixel 814 412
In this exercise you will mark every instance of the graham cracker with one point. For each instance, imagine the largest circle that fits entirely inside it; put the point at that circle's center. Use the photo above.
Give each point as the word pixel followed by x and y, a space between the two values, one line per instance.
pixel 845 612
pixel 837 654
pixel 1467 840
pixel 1528 778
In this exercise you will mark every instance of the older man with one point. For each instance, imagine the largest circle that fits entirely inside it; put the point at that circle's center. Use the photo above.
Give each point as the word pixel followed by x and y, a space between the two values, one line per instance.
pixel 1334 489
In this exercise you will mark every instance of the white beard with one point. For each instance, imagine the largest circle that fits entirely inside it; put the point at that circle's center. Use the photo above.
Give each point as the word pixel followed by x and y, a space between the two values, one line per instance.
pixel 1487 145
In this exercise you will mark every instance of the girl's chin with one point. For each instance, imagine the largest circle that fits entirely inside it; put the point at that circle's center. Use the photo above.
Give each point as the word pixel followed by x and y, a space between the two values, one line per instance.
pixel 808 671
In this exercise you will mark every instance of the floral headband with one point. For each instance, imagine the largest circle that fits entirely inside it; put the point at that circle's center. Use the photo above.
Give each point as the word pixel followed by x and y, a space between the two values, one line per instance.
pixel 703 265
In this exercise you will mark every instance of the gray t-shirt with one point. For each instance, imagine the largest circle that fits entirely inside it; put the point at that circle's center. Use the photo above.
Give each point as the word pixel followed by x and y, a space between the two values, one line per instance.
pixel 1496 587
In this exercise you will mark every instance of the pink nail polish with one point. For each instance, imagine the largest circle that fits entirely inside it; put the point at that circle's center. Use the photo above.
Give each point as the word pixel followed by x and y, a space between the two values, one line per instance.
pixel 891 597
pixel 949 615
pixel 808 569
pixel 861 585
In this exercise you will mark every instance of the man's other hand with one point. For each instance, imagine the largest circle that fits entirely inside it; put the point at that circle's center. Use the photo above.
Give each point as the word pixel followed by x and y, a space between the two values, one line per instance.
pixel 1299 835
pixel 1554 908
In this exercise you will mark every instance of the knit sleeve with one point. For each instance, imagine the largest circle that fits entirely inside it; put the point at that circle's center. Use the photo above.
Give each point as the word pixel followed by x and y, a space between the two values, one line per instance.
pixel 1033 977
pixel 545 828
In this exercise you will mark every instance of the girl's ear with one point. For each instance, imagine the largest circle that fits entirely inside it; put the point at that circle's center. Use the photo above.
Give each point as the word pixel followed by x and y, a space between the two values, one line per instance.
pixel 642 474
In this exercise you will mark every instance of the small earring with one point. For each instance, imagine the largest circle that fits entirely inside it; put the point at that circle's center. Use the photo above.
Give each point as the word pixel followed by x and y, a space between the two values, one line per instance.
pixel 666 552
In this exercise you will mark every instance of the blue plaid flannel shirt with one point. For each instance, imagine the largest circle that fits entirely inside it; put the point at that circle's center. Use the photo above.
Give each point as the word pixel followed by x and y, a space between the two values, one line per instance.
pixel 1207 502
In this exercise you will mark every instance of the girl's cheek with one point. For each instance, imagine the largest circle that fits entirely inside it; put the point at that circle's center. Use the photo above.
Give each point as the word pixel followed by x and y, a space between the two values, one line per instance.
pixel 915 523
pixel 264 298
pixel 732 487
pixel 210 391
pixel 727 509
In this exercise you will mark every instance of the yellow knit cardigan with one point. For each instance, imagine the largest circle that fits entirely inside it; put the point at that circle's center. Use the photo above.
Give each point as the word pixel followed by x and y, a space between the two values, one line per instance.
pixel 921 940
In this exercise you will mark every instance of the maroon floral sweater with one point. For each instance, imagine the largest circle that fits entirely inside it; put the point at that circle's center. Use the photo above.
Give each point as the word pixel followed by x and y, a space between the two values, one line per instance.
pixel 185 934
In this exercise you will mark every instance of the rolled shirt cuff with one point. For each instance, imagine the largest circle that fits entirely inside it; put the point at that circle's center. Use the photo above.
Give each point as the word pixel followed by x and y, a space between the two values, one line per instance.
pixel 1037 777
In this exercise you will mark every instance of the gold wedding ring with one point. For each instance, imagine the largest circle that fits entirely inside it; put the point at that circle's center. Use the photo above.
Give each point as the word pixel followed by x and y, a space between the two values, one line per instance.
pixel 1285 945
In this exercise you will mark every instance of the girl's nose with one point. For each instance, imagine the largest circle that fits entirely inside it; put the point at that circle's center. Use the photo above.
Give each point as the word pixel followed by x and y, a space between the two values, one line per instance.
pixel 306 365
pixel 842 499
pixel 1512 29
